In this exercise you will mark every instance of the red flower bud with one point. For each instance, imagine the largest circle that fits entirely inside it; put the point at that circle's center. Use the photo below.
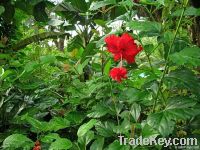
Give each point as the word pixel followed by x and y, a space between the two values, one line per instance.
pixel 118 74
pixel 37 145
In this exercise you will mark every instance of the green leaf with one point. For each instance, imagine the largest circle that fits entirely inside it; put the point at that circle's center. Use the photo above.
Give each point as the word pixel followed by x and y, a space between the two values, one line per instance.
pixel 107 67
pixel 190 11
pixel 61 144
pixel 188 56
pixel 100 22
pixel 2 9
pixel 47 59
pixel 148 132
pixel 116 146
pixel 97 5
pixel 98 111
pixel 49 138
pixel 31 66
pixel 105 129
pixel 135 111
pixel 177 108
pixel 181 108
pixel 15 141
pixel 58 123
pixel 74 43
pixel 97 144
pixel 184 79
pixel 39 12
pixel 75 117
pixel 37 125
pixel 145 26
pixel 83 129
pixel 86 139
pixel 161 122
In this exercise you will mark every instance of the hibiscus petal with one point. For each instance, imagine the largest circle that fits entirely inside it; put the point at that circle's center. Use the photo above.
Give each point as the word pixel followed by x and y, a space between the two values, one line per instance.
pixel 112 43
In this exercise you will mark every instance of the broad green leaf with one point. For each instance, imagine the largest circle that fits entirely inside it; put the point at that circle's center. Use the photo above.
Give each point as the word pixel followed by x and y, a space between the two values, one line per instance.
pixel 181 108
pixel 79 68
pixel 97 144
pixel 6 74
pixel 98 4
pixel 38 126
pixel 105 129
pixel 86 139
pixel 135 111
pixel 2 9
pixel 49 138
pixel 107 67
pixel 47 59
pixel 31 66
pixel 116 146
pixel 161 122
pixel 15 141
pixel 177 108
pixel 83 129
pixel 145 26
pixel 100 22
pixel 190 11
pixel 188 56
pixel 61 144
pixel 58 123
pixel 98 110
pixel 184 79
pixel 148 132
pixel 75 117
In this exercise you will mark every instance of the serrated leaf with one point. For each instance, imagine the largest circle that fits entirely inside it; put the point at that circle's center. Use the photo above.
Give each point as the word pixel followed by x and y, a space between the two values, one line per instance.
pixel 83 129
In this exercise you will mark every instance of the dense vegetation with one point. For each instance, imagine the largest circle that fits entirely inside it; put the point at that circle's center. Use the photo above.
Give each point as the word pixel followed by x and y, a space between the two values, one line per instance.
pixel 65 85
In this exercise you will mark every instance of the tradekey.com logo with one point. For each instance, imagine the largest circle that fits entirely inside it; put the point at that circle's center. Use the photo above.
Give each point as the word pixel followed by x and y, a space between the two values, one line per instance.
pixel 166 142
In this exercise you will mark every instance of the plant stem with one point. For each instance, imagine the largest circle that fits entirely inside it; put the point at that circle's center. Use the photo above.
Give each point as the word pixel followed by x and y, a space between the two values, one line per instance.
pixel 167 59
pixel 112 97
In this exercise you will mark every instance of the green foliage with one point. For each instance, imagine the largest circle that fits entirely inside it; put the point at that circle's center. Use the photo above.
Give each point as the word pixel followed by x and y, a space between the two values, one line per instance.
pixel 15 141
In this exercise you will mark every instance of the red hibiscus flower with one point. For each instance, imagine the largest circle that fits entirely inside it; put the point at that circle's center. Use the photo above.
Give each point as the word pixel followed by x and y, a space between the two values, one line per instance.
pixel 37 146
pixel 118 74
pixel 122 47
